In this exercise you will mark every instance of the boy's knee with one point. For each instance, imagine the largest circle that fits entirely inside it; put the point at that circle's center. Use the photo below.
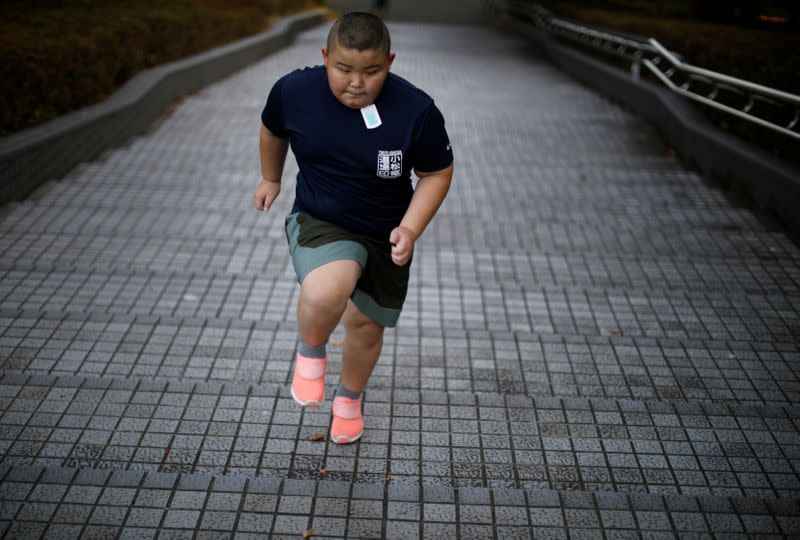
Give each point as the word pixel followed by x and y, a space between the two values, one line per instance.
pixel 366 331
pixel 323 299
pixel 330 285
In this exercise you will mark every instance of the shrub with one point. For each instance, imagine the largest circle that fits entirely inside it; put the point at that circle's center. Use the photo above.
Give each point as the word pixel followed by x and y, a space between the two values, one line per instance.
pixel 59 56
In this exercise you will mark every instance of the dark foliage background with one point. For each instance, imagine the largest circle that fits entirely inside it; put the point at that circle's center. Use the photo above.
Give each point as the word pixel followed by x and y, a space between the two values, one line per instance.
pixel 57 56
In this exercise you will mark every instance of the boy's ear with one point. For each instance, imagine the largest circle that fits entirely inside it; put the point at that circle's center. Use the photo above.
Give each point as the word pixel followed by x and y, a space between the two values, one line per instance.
pixel 324 56
pixel 391 58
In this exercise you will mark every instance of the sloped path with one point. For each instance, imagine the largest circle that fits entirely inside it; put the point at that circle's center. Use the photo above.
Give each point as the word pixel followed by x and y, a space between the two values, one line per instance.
pixel 596 342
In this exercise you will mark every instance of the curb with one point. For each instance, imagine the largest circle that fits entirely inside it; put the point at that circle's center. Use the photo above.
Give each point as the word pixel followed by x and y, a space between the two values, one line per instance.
pixel 33 156
pixel 772 185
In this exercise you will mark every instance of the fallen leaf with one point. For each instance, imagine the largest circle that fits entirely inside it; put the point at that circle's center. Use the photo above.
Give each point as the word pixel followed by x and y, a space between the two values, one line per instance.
pixel 387 478
pixel 323 471
pixel 308 533
pixel 318 437
pixel 614 331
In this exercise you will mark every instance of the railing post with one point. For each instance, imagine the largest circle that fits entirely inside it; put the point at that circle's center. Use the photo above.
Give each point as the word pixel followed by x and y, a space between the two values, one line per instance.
pixel 636 65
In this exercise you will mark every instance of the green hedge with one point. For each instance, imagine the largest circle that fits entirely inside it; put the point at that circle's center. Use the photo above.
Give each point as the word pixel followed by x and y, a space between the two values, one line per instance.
pixel 59 56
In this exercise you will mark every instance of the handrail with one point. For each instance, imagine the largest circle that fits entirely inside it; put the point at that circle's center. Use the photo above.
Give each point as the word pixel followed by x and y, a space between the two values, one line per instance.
pixel 733 96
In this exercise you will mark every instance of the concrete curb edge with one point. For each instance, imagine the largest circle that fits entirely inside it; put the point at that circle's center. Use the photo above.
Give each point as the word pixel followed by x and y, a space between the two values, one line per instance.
pixel 49 151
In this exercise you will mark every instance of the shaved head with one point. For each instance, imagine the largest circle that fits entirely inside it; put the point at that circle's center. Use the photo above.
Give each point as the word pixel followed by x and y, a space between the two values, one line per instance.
pixel 360 31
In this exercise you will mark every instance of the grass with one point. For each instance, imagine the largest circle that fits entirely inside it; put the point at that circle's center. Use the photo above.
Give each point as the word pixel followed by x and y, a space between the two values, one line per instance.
pixel 59 56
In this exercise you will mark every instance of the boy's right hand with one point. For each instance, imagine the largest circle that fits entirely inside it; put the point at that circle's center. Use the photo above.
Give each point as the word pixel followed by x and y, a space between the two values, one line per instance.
pixel 265 194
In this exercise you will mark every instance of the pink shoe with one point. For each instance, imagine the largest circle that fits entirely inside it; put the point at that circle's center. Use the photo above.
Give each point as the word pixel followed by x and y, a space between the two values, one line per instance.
pixel 308 382
pixel 347 425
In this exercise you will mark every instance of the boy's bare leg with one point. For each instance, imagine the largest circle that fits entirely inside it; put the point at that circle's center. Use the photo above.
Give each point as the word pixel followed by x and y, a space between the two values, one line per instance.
pixel 324 296
pixel 361 348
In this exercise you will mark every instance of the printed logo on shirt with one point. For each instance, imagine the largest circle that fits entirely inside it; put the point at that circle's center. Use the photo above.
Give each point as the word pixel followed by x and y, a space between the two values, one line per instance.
pixel 390 163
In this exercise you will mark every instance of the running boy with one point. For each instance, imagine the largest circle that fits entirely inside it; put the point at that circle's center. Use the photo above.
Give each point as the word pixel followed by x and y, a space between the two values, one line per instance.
pixel 356 131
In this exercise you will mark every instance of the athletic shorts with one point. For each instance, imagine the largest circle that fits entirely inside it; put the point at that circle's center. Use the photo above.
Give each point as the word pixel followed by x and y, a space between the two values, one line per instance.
pixel 381 289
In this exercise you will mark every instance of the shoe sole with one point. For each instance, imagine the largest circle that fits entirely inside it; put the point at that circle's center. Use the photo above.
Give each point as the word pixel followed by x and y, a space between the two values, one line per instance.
pixel 344 439
pixel 309 403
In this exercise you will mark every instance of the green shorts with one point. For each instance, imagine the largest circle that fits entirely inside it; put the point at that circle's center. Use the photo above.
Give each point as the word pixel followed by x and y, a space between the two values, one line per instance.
pixel 381 289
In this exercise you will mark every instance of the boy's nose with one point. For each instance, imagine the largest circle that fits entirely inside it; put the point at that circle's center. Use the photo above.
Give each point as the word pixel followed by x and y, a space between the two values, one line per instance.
pixel 357 81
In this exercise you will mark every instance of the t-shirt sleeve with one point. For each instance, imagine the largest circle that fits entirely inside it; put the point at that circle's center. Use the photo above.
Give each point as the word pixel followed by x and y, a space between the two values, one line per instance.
pixel 432 150
pixel 272 115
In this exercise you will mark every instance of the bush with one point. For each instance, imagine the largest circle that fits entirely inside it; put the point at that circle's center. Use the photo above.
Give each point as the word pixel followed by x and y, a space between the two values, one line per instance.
pixel 59 56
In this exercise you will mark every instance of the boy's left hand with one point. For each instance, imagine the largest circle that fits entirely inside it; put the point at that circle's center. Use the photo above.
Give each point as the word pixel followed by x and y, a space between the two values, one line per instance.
pixel 402 241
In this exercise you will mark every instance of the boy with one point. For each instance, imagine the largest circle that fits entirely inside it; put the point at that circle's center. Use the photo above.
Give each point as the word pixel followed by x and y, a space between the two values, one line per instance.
pixel 356 131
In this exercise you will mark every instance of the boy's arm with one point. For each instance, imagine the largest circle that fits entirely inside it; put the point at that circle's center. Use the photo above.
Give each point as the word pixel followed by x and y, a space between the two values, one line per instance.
pixel 431 190
pixel 272 153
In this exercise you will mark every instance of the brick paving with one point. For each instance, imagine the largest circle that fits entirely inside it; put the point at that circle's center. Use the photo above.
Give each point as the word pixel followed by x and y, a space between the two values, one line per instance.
pixel 596 342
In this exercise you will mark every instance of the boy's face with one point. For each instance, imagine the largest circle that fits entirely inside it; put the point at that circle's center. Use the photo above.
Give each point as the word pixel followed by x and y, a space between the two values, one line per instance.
pixel 356 77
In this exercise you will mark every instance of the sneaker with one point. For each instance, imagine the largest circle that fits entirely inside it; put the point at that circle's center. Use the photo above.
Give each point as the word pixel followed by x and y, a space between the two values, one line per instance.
pixel 347 425
pixel 308 382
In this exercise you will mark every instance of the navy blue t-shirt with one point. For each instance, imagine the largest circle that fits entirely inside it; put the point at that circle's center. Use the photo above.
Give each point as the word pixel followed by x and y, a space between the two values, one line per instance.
pixel 354 177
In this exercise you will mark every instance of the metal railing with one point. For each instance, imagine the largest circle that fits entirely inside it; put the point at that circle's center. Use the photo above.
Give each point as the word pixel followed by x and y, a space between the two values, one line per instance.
pixel 776 110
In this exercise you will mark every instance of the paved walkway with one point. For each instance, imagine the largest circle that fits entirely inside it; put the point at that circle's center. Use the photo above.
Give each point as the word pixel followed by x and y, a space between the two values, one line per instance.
pixel 596 342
